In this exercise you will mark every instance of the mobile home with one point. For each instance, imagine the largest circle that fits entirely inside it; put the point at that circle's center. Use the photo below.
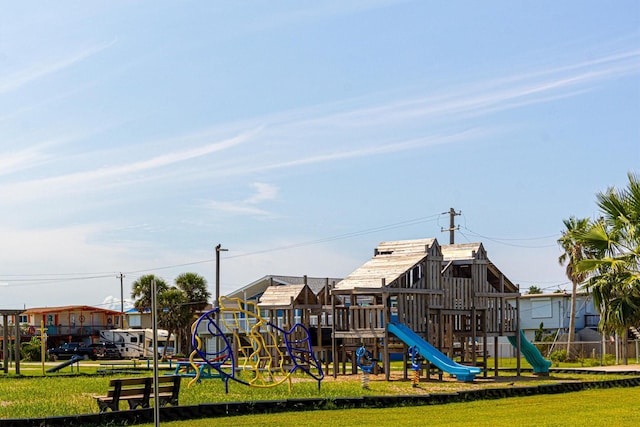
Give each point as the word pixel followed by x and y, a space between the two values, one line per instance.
pixel 134 343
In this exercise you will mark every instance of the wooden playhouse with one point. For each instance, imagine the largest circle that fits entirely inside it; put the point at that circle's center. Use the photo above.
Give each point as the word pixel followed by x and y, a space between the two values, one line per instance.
pixel 452 296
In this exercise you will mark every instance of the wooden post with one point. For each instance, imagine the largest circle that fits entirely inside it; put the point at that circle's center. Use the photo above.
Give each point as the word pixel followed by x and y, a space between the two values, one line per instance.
pixel 518 334
pixel 16 345
pixel 5 343
pixel 474 320
pixel 387 320
pixel 495 356
pixel 334 347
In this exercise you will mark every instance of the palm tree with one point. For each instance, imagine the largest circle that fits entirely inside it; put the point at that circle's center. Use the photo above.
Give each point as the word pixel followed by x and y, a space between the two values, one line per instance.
pixel 173 312
pixel 195 288
pixel 574 252
pixel 141 291
pixel 197 296
pixel 615 268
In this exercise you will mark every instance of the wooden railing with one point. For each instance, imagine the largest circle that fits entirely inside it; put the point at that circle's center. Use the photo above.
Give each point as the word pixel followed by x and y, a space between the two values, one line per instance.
pixel 359 317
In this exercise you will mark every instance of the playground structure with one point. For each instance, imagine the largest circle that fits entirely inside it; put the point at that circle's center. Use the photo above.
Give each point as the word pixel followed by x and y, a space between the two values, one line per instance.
pixel 450 296
pixel 443 302
pixel 244 347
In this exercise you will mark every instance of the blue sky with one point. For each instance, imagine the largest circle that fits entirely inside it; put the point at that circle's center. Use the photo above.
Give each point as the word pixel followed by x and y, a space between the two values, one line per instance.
pixel 135 136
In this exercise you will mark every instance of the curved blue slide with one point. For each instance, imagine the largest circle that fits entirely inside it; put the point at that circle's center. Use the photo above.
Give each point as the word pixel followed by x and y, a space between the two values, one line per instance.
pixel 432 354
pixel 532 354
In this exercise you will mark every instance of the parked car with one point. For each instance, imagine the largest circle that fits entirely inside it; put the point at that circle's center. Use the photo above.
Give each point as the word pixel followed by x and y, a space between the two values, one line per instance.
pixel 106 350
pixel 70 349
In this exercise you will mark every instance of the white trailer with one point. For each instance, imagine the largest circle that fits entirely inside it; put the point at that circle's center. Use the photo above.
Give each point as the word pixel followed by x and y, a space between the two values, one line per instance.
pixel 134 343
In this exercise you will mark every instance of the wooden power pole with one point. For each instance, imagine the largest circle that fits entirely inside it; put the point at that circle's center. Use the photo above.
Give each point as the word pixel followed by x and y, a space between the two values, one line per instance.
pixel 452 224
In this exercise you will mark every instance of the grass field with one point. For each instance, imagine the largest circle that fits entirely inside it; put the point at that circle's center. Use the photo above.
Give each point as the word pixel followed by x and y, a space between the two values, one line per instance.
pixel 32 395
pixel 593 408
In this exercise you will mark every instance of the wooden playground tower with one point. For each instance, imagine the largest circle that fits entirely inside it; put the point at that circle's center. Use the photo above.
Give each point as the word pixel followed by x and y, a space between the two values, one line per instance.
pixel 450 295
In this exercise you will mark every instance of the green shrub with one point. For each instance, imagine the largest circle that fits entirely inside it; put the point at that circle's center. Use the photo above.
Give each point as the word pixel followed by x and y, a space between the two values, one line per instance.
pixel 31 350
pixel 609 359
pixel 590 362
pixel 558 356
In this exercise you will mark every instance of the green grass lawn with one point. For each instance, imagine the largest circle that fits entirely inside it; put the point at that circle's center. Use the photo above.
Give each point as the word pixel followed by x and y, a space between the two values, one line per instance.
pixel 593 408
pixel 67 393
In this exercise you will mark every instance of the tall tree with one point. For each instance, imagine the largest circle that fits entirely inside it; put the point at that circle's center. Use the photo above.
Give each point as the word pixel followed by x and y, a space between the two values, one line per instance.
pixel 173 312
pixel 141 291
pixel 195 288
pixel 615 269
pixel 197 296
pixel 574 252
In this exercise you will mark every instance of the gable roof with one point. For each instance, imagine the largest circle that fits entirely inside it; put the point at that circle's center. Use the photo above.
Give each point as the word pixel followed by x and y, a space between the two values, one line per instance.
pixel 468 253
pixel 286 296
pixel 464 252
pixel 255 289
pixel 390 261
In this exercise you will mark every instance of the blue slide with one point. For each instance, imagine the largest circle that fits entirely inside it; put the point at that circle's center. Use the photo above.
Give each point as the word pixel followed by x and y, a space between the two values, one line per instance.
pixel 532 354
pixel 432 354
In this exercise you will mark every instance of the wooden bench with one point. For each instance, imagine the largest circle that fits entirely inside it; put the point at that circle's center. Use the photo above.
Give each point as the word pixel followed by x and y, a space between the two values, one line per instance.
pixel 138 392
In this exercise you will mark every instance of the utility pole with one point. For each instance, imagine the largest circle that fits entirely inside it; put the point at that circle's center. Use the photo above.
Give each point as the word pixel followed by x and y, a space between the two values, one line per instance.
pixel 121 276
pixel 452 224
pixel 219 249
pixel 216 303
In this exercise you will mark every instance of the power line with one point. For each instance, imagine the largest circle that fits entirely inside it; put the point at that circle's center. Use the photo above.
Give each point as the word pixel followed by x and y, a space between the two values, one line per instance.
pixel 51 278
pixel 43 278
pixel 504 241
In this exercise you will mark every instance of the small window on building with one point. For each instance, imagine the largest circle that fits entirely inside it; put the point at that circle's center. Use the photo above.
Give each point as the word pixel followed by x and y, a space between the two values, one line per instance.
pixel 135 320
pixel 541 308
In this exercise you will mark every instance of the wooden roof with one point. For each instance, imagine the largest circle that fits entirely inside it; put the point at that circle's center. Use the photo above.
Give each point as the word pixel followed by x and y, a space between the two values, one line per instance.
pixel 256 288
pixel 464 252
pixel 390 261
pixel 468 253
pixel 287 296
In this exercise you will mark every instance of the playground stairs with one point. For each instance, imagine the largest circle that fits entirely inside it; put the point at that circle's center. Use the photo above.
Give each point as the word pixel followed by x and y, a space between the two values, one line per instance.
pixel 634 332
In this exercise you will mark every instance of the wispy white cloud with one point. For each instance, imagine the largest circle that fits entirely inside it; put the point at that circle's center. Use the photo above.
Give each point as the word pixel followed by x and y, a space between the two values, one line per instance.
pixel 331 134
pixel 263 192
pixel 482 97
pixel 249 206
pixel 114 175
pixel 19 79
pixel 13 161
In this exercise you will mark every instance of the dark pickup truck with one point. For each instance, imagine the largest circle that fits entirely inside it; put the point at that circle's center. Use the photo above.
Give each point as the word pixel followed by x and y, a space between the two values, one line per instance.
pixel 70 349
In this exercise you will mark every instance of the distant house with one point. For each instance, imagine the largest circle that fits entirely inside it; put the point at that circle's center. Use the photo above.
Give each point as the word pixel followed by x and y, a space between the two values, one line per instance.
pixel 80 323
pixel 553 311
